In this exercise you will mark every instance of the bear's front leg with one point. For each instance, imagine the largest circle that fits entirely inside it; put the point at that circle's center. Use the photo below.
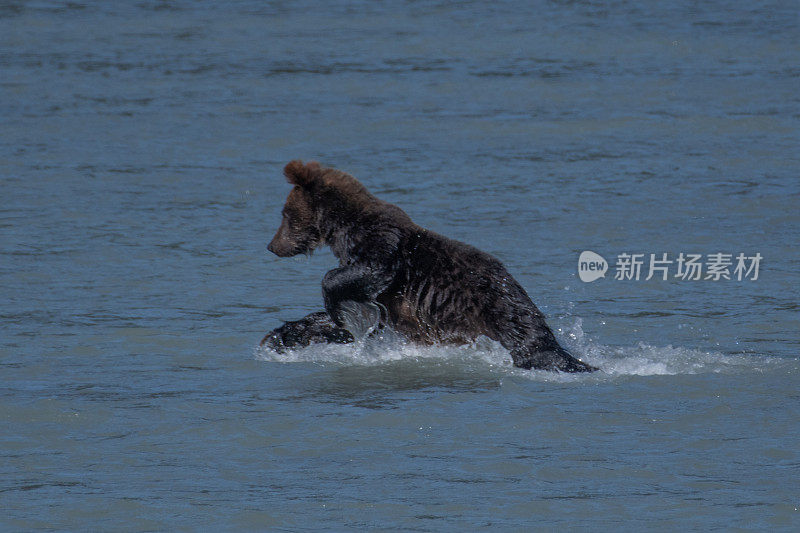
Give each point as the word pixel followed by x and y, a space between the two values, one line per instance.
pixel 350 294
pixel 316 327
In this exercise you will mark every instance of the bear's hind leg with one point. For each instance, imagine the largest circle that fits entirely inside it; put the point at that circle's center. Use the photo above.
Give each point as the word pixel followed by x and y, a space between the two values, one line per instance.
pixel 554 359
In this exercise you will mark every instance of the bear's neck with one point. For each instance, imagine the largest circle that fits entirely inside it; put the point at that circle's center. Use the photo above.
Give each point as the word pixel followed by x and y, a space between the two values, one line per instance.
pixel 371 226
pixel 342 231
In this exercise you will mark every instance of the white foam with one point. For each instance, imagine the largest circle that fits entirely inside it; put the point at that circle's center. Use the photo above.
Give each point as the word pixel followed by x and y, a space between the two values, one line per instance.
pixel 387 348
pixel 488 356
pixel 644 359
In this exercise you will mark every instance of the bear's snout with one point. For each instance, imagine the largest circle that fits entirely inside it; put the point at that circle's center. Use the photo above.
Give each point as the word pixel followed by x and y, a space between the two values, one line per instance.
pixel 279 245
pixel 282 247
pixel 279 249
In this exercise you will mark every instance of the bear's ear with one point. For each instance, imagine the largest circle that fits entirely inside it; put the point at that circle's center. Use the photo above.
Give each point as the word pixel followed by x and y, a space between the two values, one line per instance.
pixel 299 174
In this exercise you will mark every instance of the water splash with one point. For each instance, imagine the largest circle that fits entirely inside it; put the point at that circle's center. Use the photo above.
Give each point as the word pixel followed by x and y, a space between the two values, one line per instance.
pixel 644 359
pixel 487 356
pixel 361 319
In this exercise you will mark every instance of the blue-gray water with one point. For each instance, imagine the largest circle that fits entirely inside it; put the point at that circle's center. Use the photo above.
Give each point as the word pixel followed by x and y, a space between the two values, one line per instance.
pixel 141 146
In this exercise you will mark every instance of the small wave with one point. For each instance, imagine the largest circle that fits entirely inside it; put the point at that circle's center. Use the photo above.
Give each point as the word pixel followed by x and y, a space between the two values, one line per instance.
pixel 387 348
pixel 644 359
pixel 487 356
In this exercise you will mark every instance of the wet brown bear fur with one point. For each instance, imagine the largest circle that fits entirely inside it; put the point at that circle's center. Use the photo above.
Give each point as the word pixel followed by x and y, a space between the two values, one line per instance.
pixel 423 285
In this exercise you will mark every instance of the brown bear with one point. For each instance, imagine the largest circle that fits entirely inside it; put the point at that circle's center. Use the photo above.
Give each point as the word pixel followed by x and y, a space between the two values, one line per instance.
pixel 424 286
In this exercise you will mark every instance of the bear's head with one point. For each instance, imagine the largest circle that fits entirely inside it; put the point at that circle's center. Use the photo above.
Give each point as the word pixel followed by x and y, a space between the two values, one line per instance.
pixel 299 231
pixel 321 201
